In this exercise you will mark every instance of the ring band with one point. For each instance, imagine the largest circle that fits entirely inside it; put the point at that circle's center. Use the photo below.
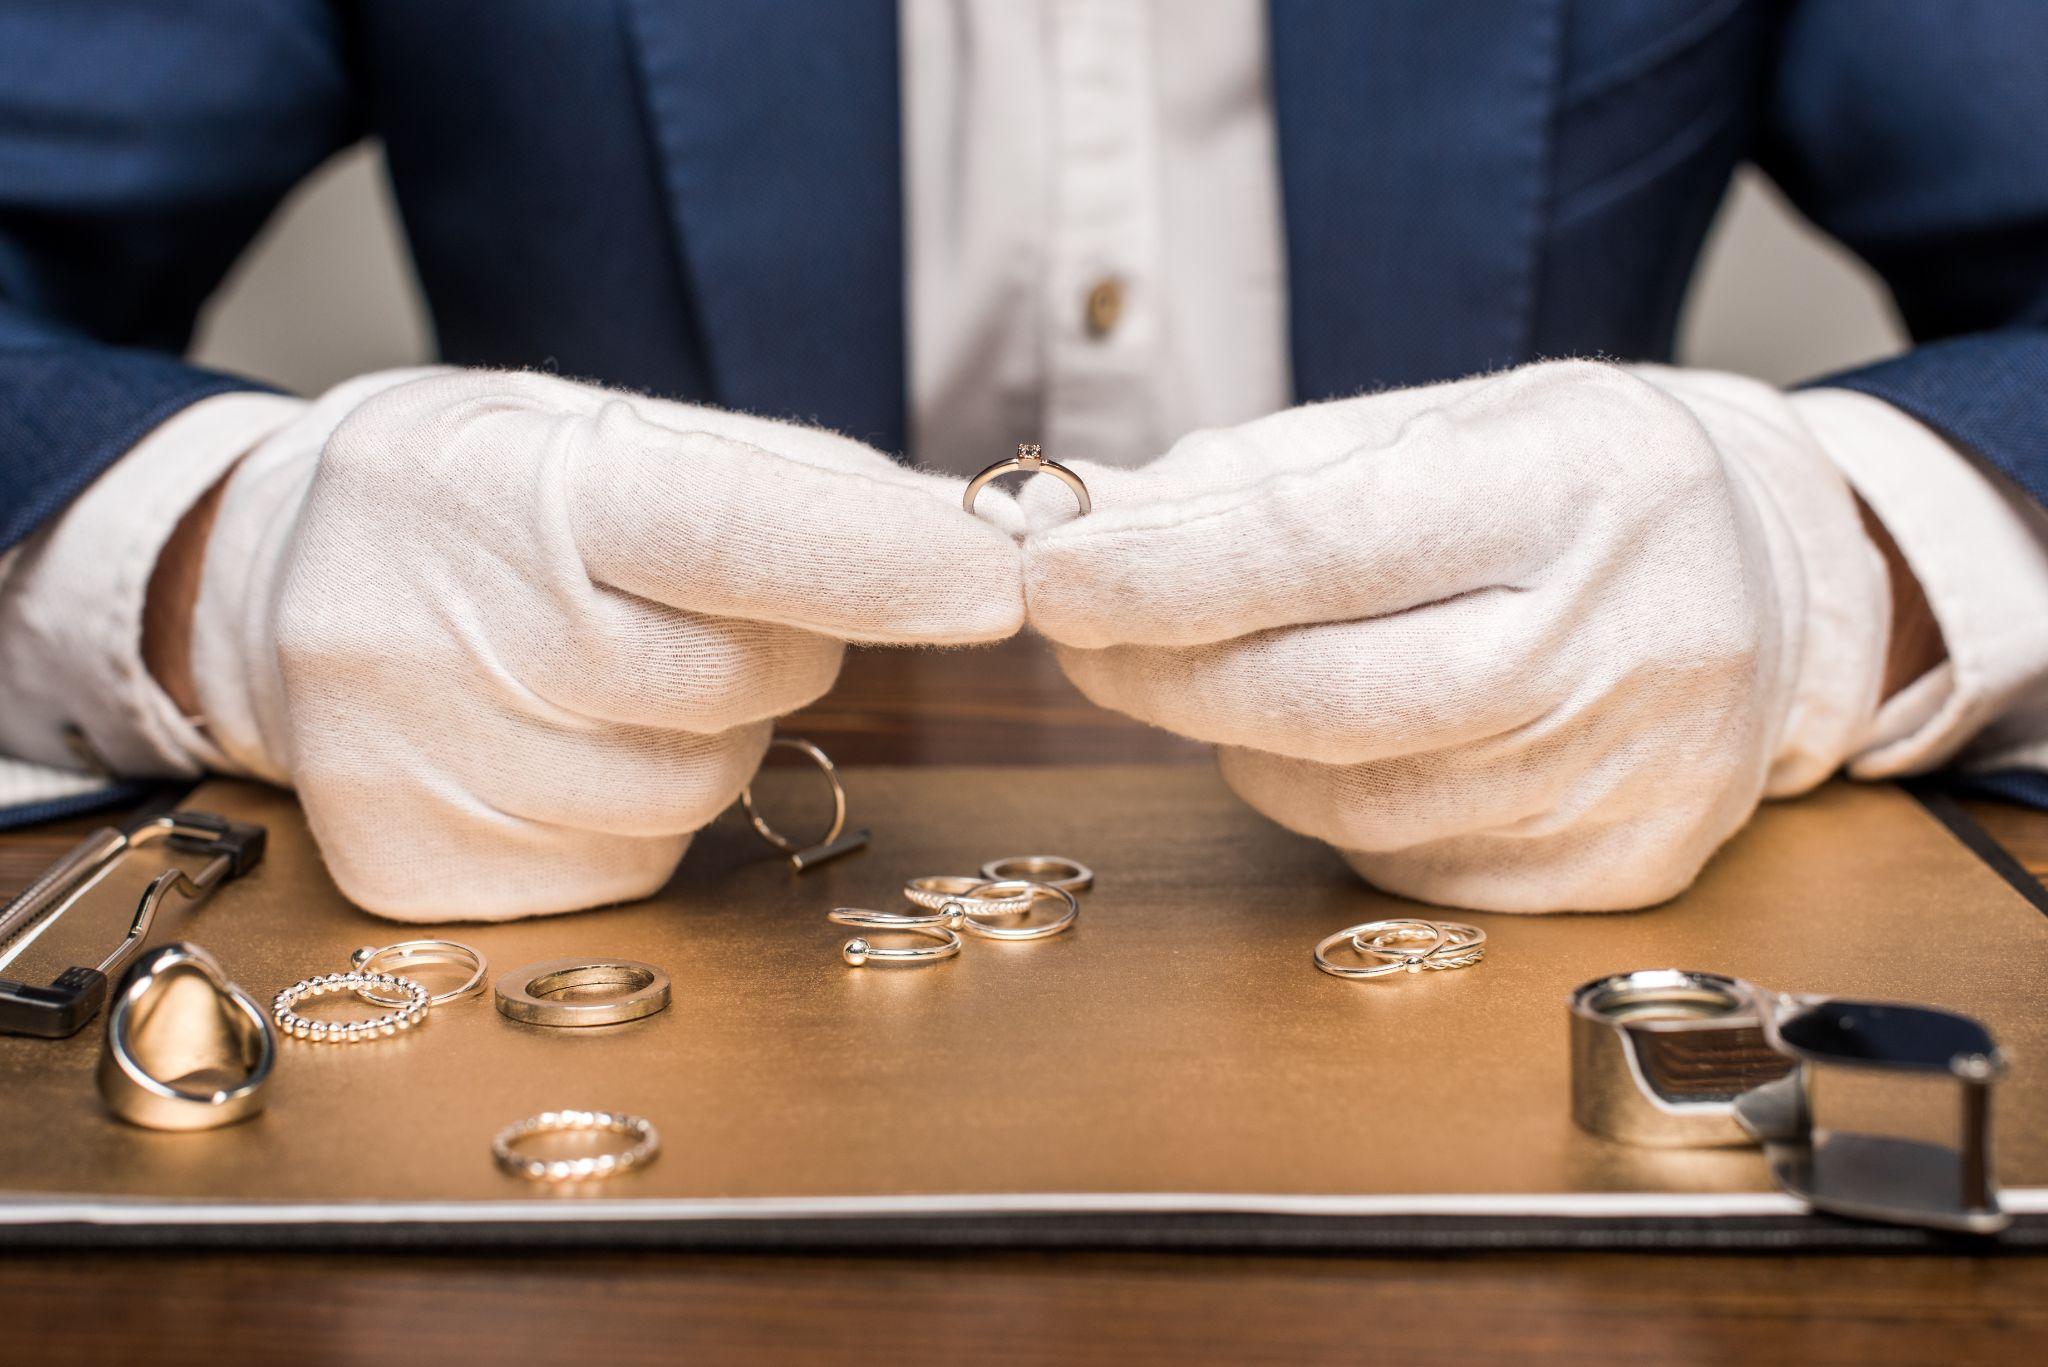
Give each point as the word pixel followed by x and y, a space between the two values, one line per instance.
pixel 646 1143
pixel 1464 946
pixel 402 1017
pixel 1053 870
pixel 247 1047
pixel 528 994
pixel 971 923
pixel 1401 961
pixel 419 954
pixel 934 890
pixel 860 950
pixel 949 915
pixel 830 845
pixel 1031 460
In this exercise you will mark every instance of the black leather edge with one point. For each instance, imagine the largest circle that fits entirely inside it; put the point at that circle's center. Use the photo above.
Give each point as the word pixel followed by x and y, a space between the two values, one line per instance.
pixel 1941 804
pixel 1191 1232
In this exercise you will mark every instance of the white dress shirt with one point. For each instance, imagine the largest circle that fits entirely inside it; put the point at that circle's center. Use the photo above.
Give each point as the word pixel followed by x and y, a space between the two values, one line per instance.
pixel 1093 211
pixel 1095 257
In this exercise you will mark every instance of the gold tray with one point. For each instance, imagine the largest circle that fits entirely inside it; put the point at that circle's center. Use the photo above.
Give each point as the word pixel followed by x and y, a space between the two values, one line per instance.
pixel 1176 1052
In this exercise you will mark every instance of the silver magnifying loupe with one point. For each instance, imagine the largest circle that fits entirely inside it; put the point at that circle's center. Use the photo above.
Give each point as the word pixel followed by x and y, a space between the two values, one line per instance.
pixel 1679 1059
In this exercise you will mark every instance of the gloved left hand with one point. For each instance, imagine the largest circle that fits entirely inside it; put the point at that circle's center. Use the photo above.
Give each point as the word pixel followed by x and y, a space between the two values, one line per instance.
pixel 1529 642
pixel 514 639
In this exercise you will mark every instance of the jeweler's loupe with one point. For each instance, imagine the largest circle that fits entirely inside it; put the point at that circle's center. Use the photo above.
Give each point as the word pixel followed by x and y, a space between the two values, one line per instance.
pixel 1674 1058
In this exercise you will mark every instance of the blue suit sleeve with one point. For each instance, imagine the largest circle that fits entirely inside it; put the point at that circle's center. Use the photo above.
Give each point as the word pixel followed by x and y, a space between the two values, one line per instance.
pixel 142 144
pixel 1917 134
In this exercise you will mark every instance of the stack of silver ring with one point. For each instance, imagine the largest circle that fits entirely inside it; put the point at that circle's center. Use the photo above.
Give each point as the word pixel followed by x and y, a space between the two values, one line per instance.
pixel 406 1002
pixel 951 903
pixel 1405 944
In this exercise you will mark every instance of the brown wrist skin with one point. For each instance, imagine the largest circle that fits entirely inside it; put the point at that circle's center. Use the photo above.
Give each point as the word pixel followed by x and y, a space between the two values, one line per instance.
pixel 1915 644
pixel 173 593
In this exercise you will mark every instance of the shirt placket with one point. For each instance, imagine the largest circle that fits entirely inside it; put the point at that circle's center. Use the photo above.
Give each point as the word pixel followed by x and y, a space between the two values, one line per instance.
pixel 1099 305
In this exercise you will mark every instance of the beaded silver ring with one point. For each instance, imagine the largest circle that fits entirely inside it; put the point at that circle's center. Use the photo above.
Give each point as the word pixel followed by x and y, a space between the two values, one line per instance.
pixel 403 1017
pixel 646 1143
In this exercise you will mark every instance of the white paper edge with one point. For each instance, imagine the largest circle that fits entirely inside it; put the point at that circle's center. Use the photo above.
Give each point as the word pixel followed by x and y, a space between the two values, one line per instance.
pixel 544 1210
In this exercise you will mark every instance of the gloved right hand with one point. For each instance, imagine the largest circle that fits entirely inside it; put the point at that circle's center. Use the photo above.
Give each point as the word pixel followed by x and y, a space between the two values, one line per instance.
pixel 1536 641
pixel 513 639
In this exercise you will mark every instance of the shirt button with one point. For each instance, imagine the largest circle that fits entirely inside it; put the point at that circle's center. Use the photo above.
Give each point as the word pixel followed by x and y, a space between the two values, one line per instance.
pixel 1105 305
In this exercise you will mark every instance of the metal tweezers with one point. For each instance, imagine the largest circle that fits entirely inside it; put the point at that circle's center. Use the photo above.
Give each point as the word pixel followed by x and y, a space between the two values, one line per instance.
pixel 64 1006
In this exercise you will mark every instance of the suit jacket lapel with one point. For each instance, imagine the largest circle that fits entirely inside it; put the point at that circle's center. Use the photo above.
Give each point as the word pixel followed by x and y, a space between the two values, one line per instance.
pixel 779 135
pixel 1413 142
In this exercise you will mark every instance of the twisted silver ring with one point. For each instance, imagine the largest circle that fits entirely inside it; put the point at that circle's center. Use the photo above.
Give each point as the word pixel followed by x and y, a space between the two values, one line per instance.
pixel 1396 961
pixel 860 950
pixel 1464 946
pixel 971 922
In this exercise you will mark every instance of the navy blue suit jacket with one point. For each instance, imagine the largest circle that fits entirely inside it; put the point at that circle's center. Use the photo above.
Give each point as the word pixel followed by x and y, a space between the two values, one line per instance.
pixel 702 198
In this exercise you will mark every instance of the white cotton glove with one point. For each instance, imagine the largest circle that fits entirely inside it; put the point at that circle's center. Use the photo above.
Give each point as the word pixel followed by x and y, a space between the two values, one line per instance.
pixel 1527 642
pixel 513 638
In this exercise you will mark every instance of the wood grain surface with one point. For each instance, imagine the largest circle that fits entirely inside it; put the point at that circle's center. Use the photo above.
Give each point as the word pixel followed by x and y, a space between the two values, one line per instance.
pixel 619 1311
pixel 1009 705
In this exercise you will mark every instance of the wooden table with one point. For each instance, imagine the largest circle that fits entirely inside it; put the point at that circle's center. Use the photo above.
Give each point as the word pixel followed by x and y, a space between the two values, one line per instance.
pixel 1010 705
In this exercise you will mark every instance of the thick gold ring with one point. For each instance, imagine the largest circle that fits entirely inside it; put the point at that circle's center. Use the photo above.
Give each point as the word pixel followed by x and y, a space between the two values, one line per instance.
pixel 529 994
pixel 1031 461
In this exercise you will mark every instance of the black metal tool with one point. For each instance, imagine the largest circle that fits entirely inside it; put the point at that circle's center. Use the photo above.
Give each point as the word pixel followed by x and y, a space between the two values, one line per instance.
pixel 70 1000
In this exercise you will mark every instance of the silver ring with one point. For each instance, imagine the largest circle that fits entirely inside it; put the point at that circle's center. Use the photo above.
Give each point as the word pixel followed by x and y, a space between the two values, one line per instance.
pixel 1400 961
pixel 860 950
pixel 934 890
pixel 419 954
pixel 1053 870
pixel 1030 459
pixel 136 1021
pixel 399 1018
pixel 1464 946
pixel 831 772
pixel 948 915
pixel 528 994
pixel 971 923
pixel 646 1143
